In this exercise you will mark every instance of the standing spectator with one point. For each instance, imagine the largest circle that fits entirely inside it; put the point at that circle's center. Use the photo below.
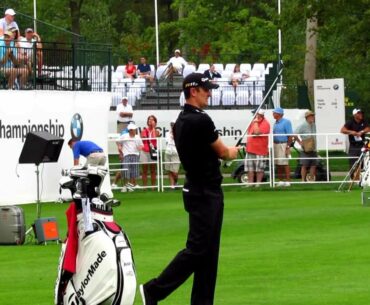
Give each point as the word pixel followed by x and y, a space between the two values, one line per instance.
pixel 129 148
pixel 124 113
pixel 30 40
pixel 356 128
pixel 172 157
pixel 144 71
pixel 282 139
pixel 200 148
pixel 257 148
pixel 130 69
pixel 176 64
pixel 8 22
pixel 9 60
pixel 93 153
pixel 307 139
pixel 149 134
pixel 211 73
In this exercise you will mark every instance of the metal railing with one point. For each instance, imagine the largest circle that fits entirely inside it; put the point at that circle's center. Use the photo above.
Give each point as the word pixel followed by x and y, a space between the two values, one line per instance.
pixel 332 166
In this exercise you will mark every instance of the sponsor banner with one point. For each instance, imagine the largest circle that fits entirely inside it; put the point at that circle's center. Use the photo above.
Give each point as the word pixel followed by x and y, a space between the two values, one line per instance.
pixel 330 112
pixel 65 114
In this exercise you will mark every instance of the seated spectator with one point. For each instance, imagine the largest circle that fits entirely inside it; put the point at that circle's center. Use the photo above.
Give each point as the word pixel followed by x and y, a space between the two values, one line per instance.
pixel 237 77
pixel 176 64
pixel 144 71
pixel 8 21
pixel 27 43
pixel 130 69
pixel 211 73
pixel 10 60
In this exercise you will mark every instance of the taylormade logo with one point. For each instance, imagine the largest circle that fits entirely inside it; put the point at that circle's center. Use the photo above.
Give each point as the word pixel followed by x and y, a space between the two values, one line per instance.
pixel 93 268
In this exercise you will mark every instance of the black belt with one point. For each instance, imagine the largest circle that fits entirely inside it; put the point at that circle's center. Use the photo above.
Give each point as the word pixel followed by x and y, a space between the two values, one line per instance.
pixel 119 122
pixel 356 144
pixel 280 142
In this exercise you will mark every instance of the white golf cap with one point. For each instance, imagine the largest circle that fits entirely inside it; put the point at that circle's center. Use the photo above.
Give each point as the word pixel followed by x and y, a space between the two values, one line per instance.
pixel 124 98
pixel 177 51
pixel 261 112
pixel 356 110
pixel 173 121
pixel 131 126
pixel 10 12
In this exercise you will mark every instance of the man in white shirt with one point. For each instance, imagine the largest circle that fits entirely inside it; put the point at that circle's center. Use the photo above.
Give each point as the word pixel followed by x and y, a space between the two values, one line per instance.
pixel 176 64
pixel 8 21
pixel 124 114
pixel 129 149
pixel 27 43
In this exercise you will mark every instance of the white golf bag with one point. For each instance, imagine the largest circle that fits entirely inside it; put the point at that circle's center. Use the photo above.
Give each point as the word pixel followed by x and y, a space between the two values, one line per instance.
pixel 103 271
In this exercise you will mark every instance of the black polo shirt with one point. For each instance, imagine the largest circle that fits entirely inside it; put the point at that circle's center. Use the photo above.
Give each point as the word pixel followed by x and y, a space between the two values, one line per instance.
pixel 194 132
pixel 356 126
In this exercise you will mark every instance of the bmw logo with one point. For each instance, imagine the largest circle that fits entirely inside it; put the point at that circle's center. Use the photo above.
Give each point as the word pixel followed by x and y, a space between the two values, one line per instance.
pixel 77 127
pixel 336 87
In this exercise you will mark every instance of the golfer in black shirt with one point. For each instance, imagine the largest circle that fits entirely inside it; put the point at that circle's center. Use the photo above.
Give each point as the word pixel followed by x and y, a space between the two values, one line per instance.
pixel 200 149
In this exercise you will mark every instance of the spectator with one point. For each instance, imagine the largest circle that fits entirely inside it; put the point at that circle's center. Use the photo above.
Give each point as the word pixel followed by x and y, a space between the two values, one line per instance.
pixel 211 73
pixel 129 148
pixel 356 128
pixel 118 175
pixel 237 77
pixel 257 148
pixel 130 69
pixel 307 139
pixel 9 59
pixel 93 153
pixel 282 139
pixel 149 135
pixel 144 71
pixel 172 157
pixel 27 43
pixel 176 64
pixel 124 114
pixel 8 22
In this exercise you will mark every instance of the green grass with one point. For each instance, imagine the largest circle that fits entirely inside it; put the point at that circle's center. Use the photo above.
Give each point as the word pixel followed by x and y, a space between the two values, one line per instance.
pixel 279 247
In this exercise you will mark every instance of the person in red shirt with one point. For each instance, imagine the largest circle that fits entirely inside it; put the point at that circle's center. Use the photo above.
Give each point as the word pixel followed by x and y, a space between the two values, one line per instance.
pixel 257 148
pixel 130 69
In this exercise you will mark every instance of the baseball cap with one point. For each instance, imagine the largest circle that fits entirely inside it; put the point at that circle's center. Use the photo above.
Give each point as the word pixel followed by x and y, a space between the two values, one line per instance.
pixel 173 121
pixel 28 30
pixel 124 98
pixel 356 110
pixel 198 80
pixel 131 126
pixel 278 110
pixel 8 33
pixel 10 12
pixel 308 113
pixel 177 51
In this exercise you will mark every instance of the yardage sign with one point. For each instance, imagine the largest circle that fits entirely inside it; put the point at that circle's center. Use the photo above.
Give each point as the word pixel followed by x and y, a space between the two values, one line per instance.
pixel 330 112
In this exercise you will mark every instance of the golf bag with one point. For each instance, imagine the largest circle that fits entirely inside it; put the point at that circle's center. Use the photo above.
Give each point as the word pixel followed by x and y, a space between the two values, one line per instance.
pixel 364 161
pixel 96 265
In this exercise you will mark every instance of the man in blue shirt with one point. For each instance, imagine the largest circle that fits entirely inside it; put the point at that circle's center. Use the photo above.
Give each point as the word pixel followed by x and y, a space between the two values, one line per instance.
pixel 144 71
pixel 283 135
pixel 93 153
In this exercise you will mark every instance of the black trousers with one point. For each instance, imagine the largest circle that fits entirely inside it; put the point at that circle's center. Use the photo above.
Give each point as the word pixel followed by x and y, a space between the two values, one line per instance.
pixel 200 257
pixel 354 151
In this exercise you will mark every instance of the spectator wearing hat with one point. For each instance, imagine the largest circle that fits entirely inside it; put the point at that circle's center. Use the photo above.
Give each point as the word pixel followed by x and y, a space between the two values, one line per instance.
pixel 130 69
pixel 283 135
pixel 130 145
pixel 257 148
pixel 30 40
pixel 8 22
pixel 200 148
pixel 175 64
pixel 124 113
pixel 172 163
pixel 9 60
pixel 306 137
pixel 356 128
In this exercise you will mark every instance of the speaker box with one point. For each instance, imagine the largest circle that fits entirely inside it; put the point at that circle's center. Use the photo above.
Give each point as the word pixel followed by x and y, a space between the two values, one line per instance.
pixel 46 229
pixel 41 147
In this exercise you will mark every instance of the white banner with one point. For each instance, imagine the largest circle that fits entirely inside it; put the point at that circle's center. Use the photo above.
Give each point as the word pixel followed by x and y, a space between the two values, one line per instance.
pixel 330 112
pixel 54 112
